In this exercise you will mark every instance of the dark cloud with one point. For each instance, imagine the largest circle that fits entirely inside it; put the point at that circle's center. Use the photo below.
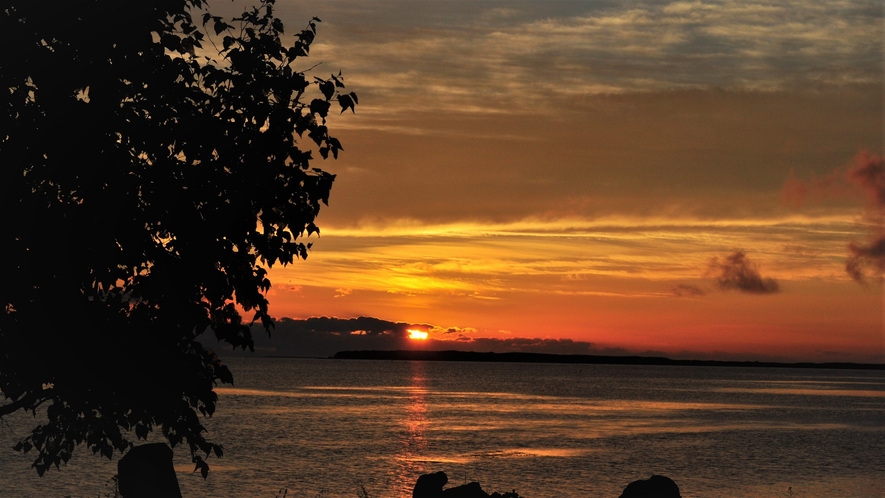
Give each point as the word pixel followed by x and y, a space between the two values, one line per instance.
pixel 683 290
pixel 321 337
pixel 864 256
pixel 324 336
pixel 868 172
pixel 737 272
pixel 363 325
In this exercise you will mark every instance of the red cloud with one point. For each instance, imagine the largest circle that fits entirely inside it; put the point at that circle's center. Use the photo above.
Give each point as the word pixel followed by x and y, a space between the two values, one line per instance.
pixel 797 192
pixel 865 172
pixel 868 173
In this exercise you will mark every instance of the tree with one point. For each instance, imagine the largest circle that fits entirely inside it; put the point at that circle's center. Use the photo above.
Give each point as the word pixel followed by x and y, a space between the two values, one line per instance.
pixel 152 166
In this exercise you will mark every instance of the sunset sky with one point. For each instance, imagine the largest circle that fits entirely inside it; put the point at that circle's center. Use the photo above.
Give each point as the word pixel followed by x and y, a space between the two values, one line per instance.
pixel 677 177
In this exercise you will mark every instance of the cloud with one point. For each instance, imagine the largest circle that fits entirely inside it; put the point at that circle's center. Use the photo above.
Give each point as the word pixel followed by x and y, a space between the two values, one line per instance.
pixel 324 336
pixel 321 337
pixel 467 58
pixel 867 171
pixel 864 173
pixel 329 325
pixel 683 290
pixel 797 192
pixel 737 272
pixel 613 257
pixel 865 255
pixel 446 330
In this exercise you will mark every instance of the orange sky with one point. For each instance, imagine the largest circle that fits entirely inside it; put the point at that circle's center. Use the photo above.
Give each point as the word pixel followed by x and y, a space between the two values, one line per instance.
pixel 570 169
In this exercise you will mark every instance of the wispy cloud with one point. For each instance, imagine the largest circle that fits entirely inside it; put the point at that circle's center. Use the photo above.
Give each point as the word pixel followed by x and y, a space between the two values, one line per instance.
pixel 685 290
pixel 342 292
pixel 615 257
pixel 477 58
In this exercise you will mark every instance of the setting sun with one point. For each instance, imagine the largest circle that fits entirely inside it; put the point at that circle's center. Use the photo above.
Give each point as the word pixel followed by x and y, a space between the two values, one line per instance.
pixel 417 334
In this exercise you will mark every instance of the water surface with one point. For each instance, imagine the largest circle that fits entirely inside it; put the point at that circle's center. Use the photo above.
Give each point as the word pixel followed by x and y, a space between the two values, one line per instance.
pixel 328 426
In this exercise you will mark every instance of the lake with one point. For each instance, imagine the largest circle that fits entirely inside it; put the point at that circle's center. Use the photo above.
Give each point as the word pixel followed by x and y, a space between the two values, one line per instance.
pixel 326 427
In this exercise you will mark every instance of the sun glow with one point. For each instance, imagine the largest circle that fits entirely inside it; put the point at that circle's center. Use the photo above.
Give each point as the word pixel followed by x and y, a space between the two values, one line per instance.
pixel 419 335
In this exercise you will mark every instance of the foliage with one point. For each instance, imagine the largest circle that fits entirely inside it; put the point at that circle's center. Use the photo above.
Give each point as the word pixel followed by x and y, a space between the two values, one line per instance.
pixel 152 168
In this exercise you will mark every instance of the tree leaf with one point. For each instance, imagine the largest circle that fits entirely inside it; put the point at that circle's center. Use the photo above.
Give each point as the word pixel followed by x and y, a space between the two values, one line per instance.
pixel 321 107
pixel 345 101
pixel 328 89
pixel 220 26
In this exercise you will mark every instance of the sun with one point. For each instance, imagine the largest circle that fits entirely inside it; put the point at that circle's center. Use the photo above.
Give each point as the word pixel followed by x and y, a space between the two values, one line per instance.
pixel 418 335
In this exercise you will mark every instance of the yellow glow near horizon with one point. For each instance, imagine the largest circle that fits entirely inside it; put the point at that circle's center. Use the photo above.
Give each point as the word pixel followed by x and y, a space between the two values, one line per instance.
pixel 418 335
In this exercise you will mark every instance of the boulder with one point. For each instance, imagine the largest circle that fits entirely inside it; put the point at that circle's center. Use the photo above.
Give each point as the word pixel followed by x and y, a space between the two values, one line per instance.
pixel 430 485
pixel 470 490
pixel 653 487
pixel 146 471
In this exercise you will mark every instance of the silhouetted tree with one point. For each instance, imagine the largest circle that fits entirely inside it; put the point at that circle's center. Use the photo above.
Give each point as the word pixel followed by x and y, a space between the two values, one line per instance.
pixel 152 168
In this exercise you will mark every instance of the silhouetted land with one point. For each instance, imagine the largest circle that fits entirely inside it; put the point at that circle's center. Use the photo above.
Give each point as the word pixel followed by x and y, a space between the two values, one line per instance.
pixel 581 358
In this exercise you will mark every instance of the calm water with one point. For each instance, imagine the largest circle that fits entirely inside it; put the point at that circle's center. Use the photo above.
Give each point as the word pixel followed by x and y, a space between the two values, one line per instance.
pixel 325 427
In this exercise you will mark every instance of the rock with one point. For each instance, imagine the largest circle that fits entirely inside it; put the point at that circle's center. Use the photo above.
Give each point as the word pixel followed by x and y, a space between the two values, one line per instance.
pixel 470 490
pixel 146 471
pixel 653 487
pixel 430 485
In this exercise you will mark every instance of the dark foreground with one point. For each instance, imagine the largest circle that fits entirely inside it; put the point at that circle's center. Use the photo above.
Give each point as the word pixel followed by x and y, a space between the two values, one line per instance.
pixel 582 358
pixel 147 471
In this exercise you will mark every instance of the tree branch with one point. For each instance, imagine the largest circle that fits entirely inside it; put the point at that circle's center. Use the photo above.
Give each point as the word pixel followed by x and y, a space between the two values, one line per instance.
pixel 29 401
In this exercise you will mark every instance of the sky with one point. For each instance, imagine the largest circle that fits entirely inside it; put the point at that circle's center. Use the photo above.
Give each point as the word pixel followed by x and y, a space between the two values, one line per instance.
pixel 693 179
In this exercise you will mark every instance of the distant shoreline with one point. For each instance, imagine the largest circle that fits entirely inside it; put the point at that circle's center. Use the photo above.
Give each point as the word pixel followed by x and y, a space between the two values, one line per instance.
pixel 411 355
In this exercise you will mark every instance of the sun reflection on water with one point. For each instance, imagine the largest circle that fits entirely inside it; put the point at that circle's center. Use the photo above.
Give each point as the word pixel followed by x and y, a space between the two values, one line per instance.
pixel 413 434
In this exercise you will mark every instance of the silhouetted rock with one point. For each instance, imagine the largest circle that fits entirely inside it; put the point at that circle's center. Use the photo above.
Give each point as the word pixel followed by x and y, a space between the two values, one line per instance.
pixel 653 487
pixel 146 472
pixel 470 490
pixel 430 485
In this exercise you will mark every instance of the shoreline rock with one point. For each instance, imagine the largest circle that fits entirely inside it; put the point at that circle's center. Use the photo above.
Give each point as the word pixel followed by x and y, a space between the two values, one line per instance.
pixel 431 486
pixel 146 471
pixel 654 487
